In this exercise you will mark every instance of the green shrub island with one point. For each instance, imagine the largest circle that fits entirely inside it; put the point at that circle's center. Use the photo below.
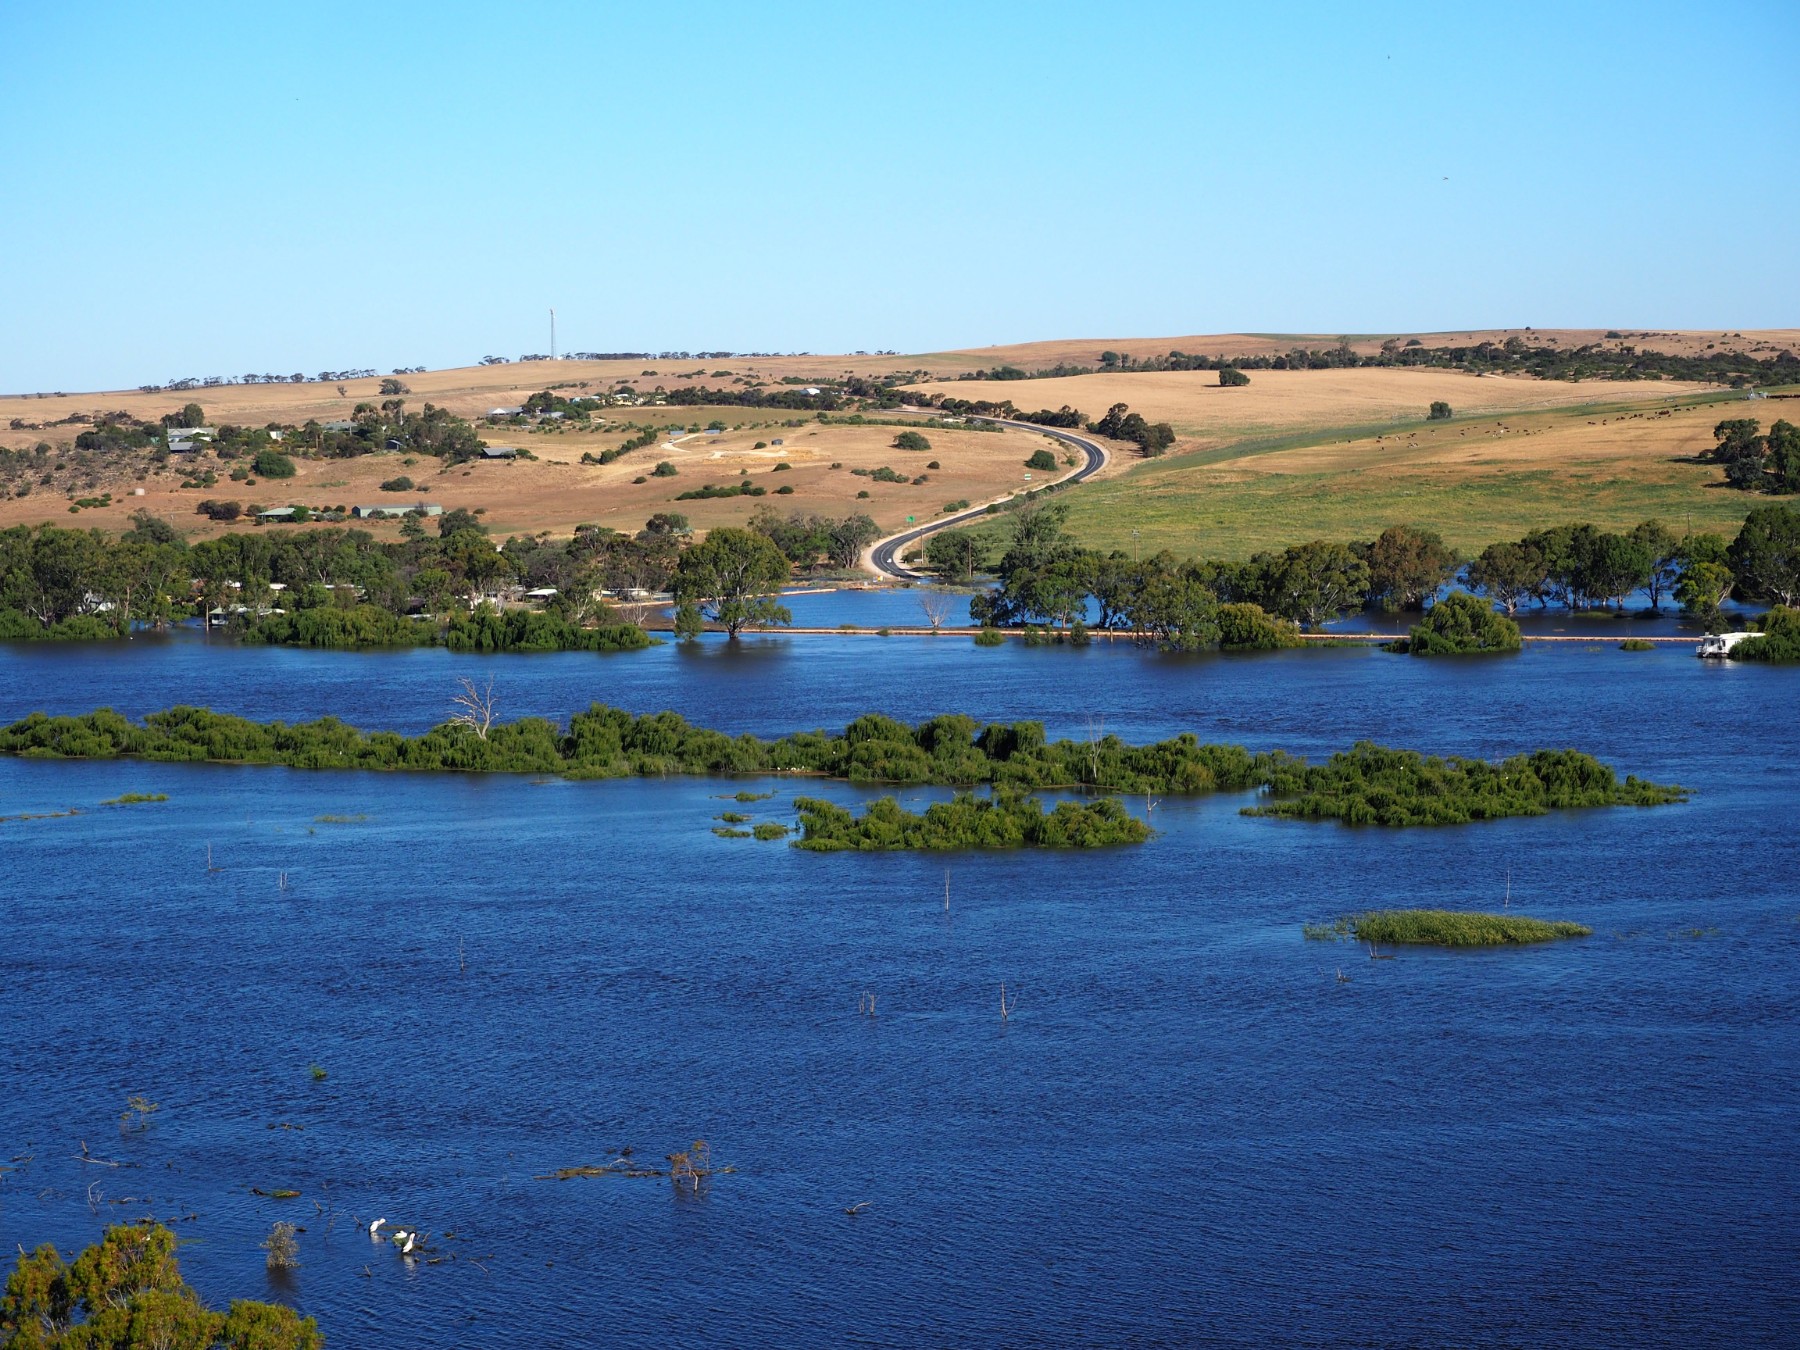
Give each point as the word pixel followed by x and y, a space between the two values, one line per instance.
pixel 1373 785
pixel 1368 785
pixel 1446 928
pixel 1007 819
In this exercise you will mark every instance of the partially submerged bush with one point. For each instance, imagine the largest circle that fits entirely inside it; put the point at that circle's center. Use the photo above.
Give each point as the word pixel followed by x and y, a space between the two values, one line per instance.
pixel 1246 627
pixel 1461 625
pixel 1778 637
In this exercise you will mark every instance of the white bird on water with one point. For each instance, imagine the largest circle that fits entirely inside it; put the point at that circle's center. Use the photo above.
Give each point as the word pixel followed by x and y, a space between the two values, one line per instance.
pixel 375 1227
pixel 407 1249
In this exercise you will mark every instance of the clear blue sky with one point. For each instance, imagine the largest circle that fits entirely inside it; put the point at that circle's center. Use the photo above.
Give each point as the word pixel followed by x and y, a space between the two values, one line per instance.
pixel 213 189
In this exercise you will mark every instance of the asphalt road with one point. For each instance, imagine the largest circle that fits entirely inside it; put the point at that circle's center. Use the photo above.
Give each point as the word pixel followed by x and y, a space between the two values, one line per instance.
pixel 885 556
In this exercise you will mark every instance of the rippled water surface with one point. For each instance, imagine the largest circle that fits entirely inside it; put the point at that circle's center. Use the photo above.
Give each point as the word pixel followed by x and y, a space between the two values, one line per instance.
pixel 1190 1131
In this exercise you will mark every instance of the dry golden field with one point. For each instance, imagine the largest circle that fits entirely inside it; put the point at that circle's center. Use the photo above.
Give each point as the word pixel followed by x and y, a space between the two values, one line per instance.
pixel 556 492
pixel 1286 402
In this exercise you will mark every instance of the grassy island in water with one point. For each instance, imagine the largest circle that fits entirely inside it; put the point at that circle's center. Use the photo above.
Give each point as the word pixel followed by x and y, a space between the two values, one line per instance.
pixel 1366 785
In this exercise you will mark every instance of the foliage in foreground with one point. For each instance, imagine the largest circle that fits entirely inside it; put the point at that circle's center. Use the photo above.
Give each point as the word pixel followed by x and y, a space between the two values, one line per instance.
pixel 1367 785
pixel 1005 820
pixel 1447 928
pixel 126 1291
pixel 1373 785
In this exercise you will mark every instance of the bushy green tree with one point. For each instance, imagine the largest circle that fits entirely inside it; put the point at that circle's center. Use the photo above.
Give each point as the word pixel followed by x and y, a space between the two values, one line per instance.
pixel 1230 377
pixel 1508 574
pixel 911 440
pixel 272 464
pixel 1318 581
pixel 731 578
pixel 1407 566
pixel 954 554
pixel 1438 412
pixel 1765 556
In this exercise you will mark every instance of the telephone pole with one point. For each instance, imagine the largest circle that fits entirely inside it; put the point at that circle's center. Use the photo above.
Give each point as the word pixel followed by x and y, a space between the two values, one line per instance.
pixel 553 334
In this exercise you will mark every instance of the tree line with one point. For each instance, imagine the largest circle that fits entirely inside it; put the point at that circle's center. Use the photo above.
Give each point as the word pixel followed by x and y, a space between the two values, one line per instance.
pixel 1045 577
pixel 347 588
pixel 1513 356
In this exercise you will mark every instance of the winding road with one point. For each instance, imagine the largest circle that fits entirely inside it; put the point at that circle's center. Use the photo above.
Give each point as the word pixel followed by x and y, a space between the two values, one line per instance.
pixel 883 557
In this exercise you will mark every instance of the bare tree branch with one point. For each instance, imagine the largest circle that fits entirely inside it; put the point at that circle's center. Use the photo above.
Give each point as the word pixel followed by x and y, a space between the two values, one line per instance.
pixel 476 707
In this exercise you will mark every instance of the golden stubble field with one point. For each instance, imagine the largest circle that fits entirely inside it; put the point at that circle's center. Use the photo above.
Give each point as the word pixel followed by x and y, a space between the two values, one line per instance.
pixel 1282 403
pixel 556 492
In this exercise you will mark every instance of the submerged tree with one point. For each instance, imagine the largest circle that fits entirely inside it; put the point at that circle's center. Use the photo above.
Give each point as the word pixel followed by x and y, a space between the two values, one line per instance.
pixel 731 578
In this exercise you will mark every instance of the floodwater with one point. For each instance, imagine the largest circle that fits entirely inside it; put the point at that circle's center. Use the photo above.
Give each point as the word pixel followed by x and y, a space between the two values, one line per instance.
pixel 1189 1131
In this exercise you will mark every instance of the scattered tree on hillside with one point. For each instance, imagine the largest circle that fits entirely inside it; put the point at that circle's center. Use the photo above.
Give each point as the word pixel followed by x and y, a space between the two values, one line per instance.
pixel 1230 377
pixel 272 464
pixel 1439 411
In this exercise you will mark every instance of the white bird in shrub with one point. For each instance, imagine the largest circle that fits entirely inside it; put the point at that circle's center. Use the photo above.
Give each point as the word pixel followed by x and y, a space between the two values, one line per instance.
pixel 407 1249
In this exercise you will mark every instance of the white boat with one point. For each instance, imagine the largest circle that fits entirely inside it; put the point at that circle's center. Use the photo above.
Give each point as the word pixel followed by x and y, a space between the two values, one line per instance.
pixel 1720 644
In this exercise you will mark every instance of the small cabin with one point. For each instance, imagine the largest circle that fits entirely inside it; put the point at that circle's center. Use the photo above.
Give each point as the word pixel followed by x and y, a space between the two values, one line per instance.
pixel 275 515
pixel 499 452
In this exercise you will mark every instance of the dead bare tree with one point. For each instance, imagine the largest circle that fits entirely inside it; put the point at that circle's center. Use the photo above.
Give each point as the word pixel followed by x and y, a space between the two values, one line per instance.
pixel 1096 733
pixel 476 707
pixel 1006 1009
pixel 692 1165
pixel 936 606
pixel 639 612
